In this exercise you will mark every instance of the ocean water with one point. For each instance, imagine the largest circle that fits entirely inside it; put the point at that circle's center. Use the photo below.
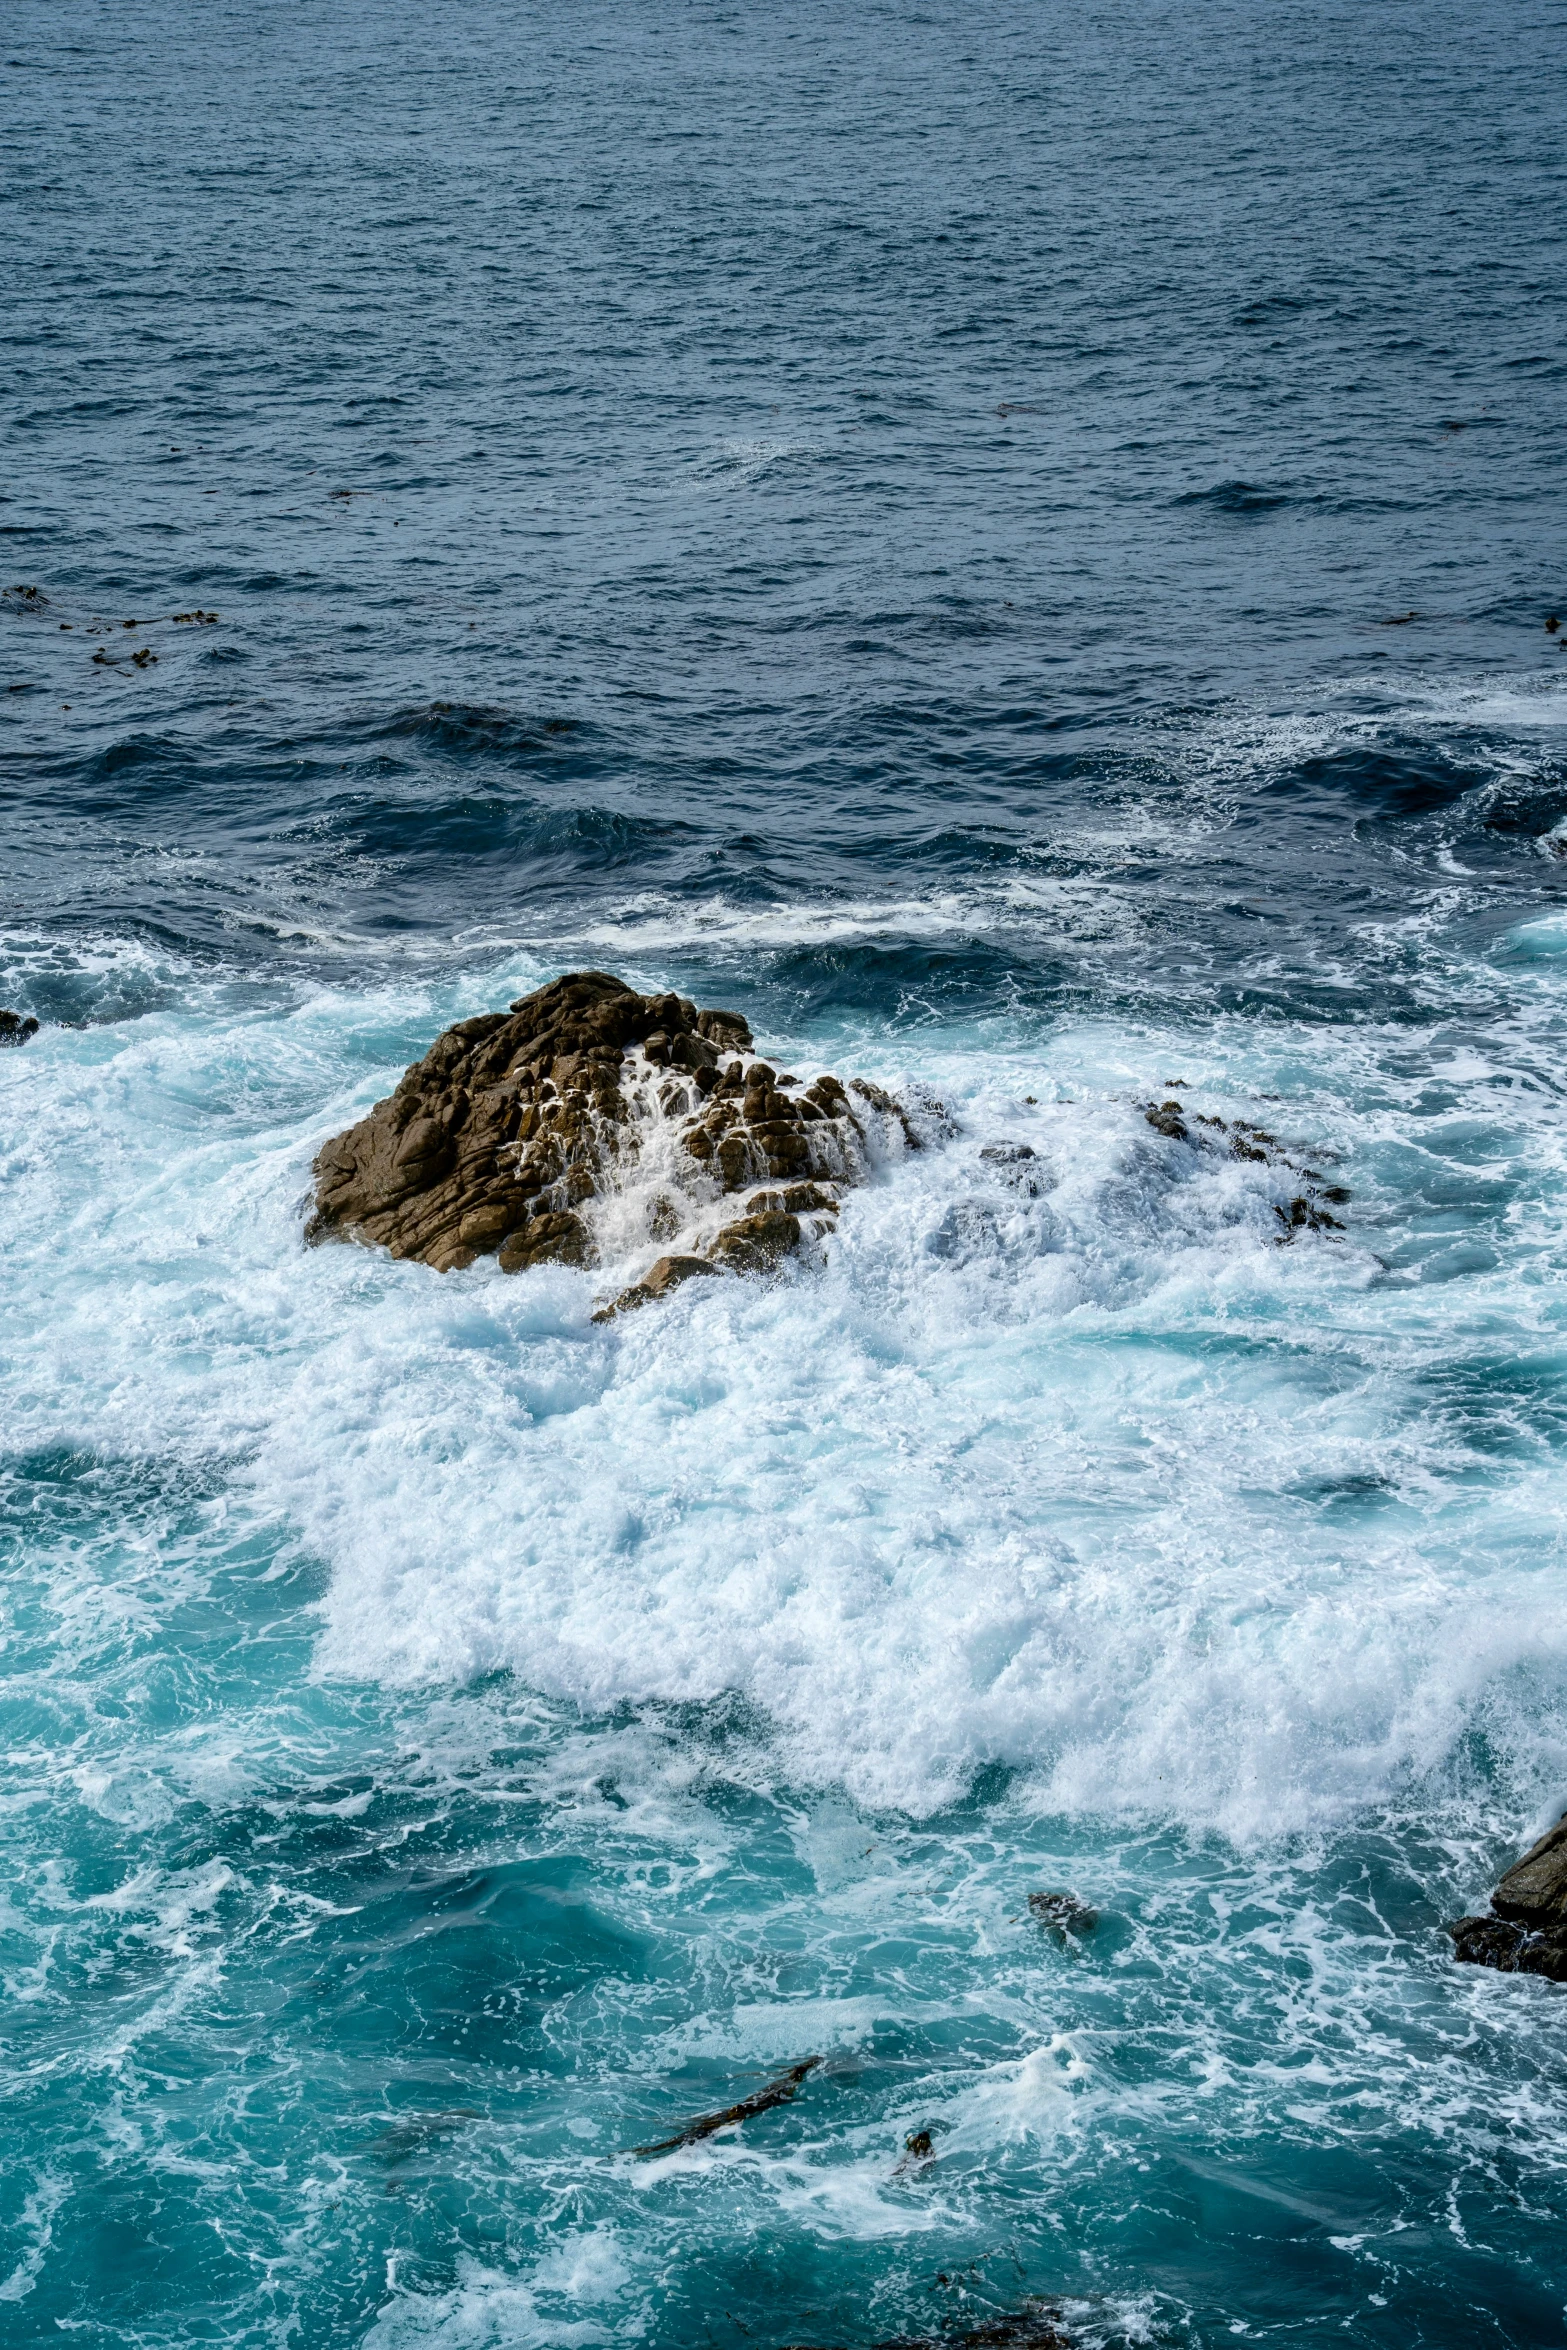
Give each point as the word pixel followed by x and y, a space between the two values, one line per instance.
pixel 1013 546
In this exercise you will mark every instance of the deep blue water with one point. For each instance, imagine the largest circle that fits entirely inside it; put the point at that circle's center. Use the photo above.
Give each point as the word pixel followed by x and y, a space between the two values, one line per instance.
pixel 1014 547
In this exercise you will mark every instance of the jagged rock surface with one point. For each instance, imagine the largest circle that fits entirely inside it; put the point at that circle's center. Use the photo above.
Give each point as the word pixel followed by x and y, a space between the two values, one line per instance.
pixel 590 1120
pixel 1526 1933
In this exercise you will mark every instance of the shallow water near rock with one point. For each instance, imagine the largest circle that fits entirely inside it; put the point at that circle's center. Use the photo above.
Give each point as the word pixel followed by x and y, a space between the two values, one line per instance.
pixel 1014 553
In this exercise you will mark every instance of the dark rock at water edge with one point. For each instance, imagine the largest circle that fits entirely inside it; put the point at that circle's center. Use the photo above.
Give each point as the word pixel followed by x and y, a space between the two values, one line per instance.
pixel 1063 1914
pixel 1526 1932
pixel 588 1108
pixel 1510 1948
pixel 15 1029
pixel 1036 2326
pixel 1534 1890
pixel 1308 1211
pixel 781 2091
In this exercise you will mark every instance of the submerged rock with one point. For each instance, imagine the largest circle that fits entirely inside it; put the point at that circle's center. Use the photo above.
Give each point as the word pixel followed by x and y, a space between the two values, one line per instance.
pixel 1526 1932
pixel 918 2156
pixel 781 2091
pixel 1307 1211
pixel 1063 1913
pixel 14 1029
pixel 1166 1118
pixel 1036 2326
pixel 588 1121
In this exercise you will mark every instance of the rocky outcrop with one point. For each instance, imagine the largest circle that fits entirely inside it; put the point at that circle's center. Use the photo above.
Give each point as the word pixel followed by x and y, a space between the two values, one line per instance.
pixel 1526 1932
pixel 14 1029
pixel 590 1121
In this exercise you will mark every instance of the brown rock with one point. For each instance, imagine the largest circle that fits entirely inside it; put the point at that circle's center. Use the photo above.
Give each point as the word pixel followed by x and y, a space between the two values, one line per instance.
pixel 484 1227
pixel 1063 1913
pixel 516 1127
pixel 693 1052
pixel 797 1199
pixel 1526 1933
pixel 1534 1890
pixel 449 1256
pixel 376 1181
pixel 733 1158
pixel 665 1276
pixel 560 1239
pixel 725 1029
pixel 754 1244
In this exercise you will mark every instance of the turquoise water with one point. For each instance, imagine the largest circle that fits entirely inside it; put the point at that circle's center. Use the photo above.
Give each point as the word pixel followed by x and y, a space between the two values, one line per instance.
pixel 449 1744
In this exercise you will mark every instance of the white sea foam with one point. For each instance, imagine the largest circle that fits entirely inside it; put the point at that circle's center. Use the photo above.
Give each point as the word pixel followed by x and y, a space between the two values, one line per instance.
pixel 1242 743
pixel 37 2228
pixel 1084 1474
pixel 749 462
pixel 579 2291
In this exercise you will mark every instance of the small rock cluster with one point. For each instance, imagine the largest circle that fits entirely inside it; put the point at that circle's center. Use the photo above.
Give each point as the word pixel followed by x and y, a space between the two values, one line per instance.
pixel 14 1029
pixel 1526 1931
pixel 590 1119
pixel 1306 1212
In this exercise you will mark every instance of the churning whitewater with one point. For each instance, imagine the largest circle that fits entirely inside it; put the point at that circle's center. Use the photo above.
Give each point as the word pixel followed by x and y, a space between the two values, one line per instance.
pixel 904 1782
